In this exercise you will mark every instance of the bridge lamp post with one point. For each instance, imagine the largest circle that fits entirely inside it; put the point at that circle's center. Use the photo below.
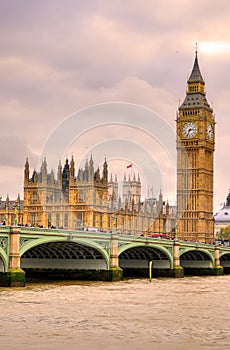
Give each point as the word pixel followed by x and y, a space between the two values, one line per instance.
pixel 176 232
pixel 16 208
pixel 217 235
pixel 4 219
pixel 114 231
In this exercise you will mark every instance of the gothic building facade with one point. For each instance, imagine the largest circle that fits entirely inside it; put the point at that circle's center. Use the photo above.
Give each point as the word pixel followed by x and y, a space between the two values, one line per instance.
pixel 87 200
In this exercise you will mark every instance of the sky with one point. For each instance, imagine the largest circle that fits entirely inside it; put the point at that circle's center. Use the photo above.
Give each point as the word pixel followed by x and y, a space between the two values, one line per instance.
pixel 59 58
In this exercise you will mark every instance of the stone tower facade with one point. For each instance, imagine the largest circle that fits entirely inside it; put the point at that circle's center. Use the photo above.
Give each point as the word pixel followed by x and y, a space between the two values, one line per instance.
pixel 131 189
pixel 195 168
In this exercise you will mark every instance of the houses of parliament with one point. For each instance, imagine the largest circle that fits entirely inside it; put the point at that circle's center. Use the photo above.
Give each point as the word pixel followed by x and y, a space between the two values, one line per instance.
pixel 89 199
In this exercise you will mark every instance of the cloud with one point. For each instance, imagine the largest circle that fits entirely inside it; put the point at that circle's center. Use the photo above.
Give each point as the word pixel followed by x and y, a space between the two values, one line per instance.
pixel 13 151
pixel 59 57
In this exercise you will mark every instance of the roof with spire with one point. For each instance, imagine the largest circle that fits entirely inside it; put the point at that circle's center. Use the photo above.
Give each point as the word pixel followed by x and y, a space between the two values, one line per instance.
pixel 196 76
pixel 195 98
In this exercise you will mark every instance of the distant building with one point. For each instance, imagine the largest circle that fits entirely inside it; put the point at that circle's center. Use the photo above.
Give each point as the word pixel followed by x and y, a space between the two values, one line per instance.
pixel 222 217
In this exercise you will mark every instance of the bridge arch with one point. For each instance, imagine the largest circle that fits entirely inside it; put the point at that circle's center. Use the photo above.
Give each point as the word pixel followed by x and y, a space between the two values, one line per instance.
pixel 196 258
pixel 225 260
pixel 63 253
pixel 136 255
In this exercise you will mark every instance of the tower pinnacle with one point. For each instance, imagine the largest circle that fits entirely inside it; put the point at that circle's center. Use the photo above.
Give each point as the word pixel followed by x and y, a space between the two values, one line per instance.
pixel 196 76
pixel 195 95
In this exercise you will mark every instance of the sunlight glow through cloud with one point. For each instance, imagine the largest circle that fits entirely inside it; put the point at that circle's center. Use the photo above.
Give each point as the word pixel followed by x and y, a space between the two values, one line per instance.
pixel 215 47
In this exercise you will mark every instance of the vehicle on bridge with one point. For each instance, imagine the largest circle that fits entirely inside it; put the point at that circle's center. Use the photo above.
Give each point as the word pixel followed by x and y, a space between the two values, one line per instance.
pixel 91 229
pixel 160 236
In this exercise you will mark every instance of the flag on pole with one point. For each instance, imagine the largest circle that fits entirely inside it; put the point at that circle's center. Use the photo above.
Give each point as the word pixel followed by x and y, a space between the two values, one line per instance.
pixel 129 166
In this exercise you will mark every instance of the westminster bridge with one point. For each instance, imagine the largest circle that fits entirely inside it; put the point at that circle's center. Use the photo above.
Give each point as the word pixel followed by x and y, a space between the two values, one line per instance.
pixel 101 256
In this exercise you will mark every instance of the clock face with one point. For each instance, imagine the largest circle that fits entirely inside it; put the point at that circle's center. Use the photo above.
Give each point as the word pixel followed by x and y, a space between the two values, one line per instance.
pixel 189 130
pixel 209 131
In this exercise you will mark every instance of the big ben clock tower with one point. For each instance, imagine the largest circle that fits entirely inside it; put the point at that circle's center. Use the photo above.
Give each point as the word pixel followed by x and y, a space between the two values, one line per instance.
pixel 195 153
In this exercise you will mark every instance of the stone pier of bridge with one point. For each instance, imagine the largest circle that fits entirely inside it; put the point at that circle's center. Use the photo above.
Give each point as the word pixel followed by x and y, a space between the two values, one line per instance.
pixel 116 272
pixel 14 276
pixel 177 270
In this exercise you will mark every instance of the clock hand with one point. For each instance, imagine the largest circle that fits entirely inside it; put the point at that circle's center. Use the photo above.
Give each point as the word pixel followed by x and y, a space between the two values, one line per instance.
pixel 189 130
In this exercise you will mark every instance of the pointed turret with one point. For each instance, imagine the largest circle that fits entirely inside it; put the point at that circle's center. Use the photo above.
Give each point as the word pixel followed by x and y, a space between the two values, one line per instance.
pixel 72 170
pixel 44 171
pixel 167 208
pixel 65 177
pixel 73 191
pixel 160 197
pixel 7 201
pixel 196 76
pixel 34 177
pixel 195 95
pixel 26 172
pixel 105 172
pixel 91 168
pixel 97 176
pixel 160 201
pixel 59 174
pixel 86 172
pixel 18 199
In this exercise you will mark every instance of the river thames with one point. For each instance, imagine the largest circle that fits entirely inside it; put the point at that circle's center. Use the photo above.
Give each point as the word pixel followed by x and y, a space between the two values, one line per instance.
pixel 187 313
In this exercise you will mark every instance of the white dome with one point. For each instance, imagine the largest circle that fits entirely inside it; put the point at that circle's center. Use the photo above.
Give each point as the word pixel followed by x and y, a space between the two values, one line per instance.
pixel 223 215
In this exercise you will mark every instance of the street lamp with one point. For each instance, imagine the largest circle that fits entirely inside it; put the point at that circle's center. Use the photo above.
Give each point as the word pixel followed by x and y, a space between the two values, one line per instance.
pixel 16 208
pixel 114 225
pixel 176 232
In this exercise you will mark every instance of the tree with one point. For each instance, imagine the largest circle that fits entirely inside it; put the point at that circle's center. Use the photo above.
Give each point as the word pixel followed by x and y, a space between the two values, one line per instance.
pixel 225 233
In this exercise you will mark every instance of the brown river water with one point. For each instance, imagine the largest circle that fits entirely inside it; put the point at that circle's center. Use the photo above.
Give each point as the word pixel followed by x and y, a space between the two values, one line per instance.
pixel 187 313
